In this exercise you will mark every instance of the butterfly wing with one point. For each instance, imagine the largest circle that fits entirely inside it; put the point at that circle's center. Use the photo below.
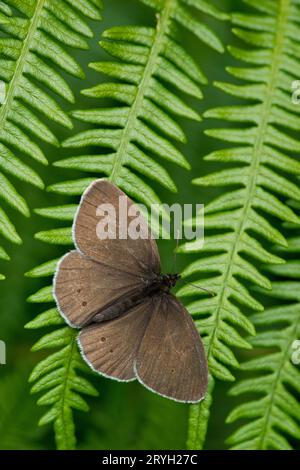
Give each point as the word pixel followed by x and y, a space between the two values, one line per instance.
pixel 84 288
pixel 139 256
pixel 103 273
pixel 110 348
pixel 171 359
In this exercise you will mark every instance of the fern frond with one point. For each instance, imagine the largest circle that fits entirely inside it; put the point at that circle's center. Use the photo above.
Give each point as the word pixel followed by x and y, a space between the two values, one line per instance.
pixel 55 377
pixel 150 71
pixel 198 418
pixel 237 221
pixel 273 413
pixel 140 131
pixel 242 214
pixel 184 13
pixel 33 36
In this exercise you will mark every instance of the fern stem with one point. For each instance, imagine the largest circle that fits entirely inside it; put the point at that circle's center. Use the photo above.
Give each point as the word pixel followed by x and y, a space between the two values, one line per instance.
pixel 21 62
pixel 67 438
pixel 129 129
pixel 198 420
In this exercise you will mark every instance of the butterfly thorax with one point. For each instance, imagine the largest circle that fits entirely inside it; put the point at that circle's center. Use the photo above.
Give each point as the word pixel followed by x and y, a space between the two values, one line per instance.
pixel 168 281
pixel 163 283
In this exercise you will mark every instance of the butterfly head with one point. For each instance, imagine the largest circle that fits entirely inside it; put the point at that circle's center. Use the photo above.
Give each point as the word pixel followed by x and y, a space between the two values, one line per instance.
pixel 168 281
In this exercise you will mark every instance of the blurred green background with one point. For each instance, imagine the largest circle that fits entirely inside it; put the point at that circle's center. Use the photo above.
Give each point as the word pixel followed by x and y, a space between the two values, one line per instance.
pixel 125 416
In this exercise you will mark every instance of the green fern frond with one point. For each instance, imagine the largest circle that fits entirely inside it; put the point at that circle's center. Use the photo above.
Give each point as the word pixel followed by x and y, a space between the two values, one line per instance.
pixel 198 419
pixel 261 169
pixel 273 413
pixel 184 13
pixel 55 377
pixel 33 36
pixel 241 214
pixel 139 133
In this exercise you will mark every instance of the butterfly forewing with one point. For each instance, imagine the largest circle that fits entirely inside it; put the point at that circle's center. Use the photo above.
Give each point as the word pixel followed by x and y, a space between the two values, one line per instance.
pixel 111 347
pixel 171 359
pixel 97 279
pixel 84 288
pixel 139 256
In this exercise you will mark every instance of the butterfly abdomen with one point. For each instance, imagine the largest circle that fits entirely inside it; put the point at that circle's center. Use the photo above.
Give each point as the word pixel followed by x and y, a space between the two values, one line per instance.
pixel 118 308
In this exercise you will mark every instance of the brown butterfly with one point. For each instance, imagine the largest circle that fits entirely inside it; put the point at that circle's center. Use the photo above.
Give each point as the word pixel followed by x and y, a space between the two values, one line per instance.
pixel 132 326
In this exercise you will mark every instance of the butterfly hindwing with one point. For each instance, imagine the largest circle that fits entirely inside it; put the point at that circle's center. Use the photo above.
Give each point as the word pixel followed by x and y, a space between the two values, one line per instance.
pixel 171 359
pixel 110 348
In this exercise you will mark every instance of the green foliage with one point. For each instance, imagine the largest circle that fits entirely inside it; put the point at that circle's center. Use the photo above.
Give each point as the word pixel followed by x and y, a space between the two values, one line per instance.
pixel 33 39
pixel 56 376
pixel 33 45
pixel 238 221
pixel 139 132
pixel 17 410
pixel 132 133
pixel 144 420
pixel 198 418
pixel 184 13
pixel 273 411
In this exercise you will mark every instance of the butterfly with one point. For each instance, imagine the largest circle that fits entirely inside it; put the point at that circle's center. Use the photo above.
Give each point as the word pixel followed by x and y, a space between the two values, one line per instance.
pixel 132 326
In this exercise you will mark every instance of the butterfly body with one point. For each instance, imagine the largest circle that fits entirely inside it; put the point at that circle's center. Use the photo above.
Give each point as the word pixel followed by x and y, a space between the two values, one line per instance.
pixel 132 326
pixel 162 283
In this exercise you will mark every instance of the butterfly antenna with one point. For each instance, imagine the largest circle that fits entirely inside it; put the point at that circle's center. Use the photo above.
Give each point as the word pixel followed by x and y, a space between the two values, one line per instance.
pixel 212 293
